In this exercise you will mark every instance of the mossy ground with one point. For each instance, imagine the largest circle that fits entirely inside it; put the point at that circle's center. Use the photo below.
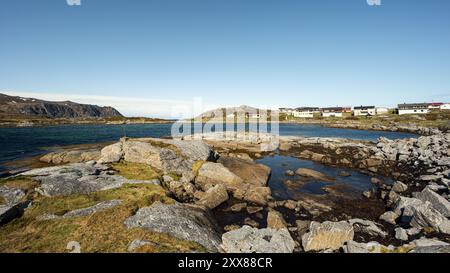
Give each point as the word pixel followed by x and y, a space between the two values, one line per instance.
pixel 23 183
pixel 136 171
pixel 103 231
pixel 197 165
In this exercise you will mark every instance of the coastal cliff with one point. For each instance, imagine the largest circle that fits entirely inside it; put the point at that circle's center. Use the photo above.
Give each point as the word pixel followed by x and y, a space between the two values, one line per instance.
pixel 19 107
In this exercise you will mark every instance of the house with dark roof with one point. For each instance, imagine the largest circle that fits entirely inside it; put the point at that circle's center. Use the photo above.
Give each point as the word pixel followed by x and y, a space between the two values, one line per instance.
pixel 332 112
pixel 364 111
pixel 305 112
pixel 413 108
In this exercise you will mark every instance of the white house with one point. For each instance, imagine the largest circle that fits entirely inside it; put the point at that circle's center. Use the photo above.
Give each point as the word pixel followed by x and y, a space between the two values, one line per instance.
pixel 364 111
pixel 332 112
pixel 413 108
pixel 305 112
pixel 445 106
pixel 288 111
pixel 382 110
pixel 435 105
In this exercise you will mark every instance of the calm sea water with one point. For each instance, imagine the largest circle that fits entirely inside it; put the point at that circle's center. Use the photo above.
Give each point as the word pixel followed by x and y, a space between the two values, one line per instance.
pixel 352 185
pixel 16 143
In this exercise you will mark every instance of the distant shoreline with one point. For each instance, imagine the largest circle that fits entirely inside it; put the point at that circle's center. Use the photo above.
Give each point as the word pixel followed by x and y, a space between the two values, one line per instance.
pixel 389 123
pixel 19 123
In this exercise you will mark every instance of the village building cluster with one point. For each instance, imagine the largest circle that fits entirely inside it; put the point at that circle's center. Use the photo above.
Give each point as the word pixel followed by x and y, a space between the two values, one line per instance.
pixel 402 109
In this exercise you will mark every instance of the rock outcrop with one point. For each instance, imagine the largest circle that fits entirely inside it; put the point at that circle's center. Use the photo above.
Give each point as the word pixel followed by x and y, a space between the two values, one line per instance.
pixel 168 155
pixel 78 178
pixel 13 204
pixel 214 196
pixel 439 203
pixel 186 222
pixel 211 174
pixel 367 227
pixel 84 211
pixel 421 214
pixel 253 240
pixel 251 142
pixel 308 173
pixel 248 171
pixel 75 156
pixel 275 220
pixel 327 236
pixel 29 107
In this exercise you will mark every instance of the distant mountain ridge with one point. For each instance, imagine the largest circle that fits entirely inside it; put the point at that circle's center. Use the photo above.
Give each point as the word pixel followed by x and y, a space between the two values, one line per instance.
pixel 14 106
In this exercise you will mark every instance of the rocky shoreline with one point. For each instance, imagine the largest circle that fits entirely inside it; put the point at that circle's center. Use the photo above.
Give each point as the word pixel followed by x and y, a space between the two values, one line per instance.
pixel 355 125
pixel 37 122
pixel 209 190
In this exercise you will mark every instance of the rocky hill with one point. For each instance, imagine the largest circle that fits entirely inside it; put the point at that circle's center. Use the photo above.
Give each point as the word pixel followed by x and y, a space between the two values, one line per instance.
pixel 242 110
pixel 12 106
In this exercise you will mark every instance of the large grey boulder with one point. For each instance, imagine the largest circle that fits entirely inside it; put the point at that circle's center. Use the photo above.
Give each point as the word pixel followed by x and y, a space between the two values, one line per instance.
pixel 14 204
pixel 253 240
pixel 399 187
pixel 248 171
pixel 10 195
pixel 93 209
pixel 112 153
pixel 10 212
pixel 367 227
pixel 275 220
pixel 84 211
pixel 327 236
pixel 424 215
pixel 78 178
pixel 425 242
pixel 389 217
pixel 403 202
pixel 421 214
pixel 431 249
pixel 182 221
pixel 214 196
pixel 74 156
pixel 211 174
pixel 314 175
pixel 439 203
pixel 401 234
pixel 168 155
pixel 371 247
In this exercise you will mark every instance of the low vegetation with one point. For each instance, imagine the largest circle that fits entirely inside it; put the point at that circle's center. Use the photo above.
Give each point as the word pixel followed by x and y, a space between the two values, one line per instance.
pixel 103 231
pixel 197 165
pixel 23 183
pixel 135 171
pixel 9 120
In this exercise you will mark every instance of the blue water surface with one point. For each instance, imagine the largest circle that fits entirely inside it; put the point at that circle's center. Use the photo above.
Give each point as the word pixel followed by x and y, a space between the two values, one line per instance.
pixel 17 143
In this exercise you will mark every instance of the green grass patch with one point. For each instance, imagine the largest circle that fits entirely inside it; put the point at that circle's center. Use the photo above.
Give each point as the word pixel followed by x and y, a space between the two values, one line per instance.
pixel 103 231
pixel 197 165
pixel 137 171
pixel 20 182
pixel 174 176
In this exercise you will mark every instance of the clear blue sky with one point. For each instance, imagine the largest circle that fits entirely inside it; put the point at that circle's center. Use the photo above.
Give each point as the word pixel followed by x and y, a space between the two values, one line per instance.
pixel 229 52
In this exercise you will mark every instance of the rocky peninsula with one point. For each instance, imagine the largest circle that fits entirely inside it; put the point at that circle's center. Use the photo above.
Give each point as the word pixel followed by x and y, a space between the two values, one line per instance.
pixel 208 193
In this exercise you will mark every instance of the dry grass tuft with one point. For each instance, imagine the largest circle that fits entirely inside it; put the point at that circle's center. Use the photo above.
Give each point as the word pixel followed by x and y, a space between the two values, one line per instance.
pixel 103 231
pixel 137 171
